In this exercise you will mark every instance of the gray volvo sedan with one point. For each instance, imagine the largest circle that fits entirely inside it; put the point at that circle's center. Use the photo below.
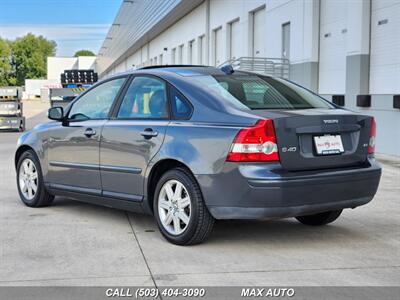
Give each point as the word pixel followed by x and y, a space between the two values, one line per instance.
pixel 191 144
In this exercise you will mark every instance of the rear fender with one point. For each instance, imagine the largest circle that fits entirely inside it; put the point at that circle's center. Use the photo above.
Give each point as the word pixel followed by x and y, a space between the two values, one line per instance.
pixel 203 148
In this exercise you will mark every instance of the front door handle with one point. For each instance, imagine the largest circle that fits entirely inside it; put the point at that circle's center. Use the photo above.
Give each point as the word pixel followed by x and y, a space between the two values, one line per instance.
pixel 148 133
pixel 89 132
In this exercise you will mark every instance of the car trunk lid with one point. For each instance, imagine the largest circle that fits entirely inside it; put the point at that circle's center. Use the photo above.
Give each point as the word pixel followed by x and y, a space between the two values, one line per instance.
pixel 299 131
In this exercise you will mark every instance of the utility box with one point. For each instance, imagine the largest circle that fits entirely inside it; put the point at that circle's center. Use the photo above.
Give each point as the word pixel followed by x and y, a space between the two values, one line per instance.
pixel 11 109
pixel 10 93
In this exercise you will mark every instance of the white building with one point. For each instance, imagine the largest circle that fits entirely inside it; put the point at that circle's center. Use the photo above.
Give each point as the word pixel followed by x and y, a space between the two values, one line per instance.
pixel 335 47
pixel 56 66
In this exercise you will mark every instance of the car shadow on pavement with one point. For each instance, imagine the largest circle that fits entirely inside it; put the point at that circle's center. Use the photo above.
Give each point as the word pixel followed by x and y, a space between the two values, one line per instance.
pixel 279 231
pixel 283 231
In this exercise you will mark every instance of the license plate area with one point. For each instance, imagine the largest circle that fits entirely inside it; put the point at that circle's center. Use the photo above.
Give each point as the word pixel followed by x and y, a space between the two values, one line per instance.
pixel 328 144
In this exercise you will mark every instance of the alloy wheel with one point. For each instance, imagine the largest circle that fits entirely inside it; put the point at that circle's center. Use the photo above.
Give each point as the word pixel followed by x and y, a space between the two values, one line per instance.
pixel 174 207
pixel 28 179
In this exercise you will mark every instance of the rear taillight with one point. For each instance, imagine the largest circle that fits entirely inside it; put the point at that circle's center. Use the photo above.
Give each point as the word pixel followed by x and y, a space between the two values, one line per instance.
pixel 372 135
pixel 256 143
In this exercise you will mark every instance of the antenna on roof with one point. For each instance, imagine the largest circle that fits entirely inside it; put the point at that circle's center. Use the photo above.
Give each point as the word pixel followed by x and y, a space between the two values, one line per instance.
pixel 227 69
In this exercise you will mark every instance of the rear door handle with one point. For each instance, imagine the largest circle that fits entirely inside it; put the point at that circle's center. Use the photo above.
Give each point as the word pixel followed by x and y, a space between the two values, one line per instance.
pixel 89 132
pixel 148 133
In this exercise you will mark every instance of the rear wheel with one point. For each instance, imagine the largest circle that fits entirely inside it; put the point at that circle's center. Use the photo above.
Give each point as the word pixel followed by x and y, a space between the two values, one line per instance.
pixel 30 181
pixel 320 219
pixel 179 209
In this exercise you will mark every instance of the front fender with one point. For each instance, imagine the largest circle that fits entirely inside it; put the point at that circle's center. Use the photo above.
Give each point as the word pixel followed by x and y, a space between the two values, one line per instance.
pixel 37 140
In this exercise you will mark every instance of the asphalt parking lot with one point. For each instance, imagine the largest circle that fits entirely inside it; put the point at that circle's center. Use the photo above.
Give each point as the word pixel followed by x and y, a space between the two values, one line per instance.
pixel 72 243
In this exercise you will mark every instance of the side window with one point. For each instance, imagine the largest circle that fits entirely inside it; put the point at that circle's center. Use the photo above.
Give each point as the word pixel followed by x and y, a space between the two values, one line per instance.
pixel 181 109
pixel 146 97
pixel 96 103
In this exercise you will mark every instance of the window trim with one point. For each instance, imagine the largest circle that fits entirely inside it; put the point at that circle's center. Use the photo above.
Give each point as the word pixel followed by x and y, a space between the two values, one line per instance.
pixel 114 115
pixel 116 99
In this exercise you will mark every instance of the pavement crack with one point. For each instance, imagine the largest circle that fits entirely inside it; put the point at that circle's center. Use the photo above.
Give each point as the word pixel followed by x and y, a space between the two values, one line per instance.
pixel 71 278
pixel 277 270
pixel 142 252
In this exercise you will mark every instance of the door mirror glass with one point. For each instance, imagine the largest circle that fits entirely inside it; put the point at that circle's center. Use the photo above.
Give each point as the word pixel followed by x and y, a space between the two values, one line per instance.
pixel 56 113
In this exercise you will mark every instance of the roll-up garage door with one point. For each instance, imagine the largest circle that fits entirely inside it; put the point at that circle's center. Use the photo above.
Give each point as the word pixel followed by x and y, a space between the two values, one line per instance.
pixel 202 50
pixel 173 56
pixel 218 47
pixel 191 53
pixel 259 33
pixel 332 60
pixel 385 47
pixel 234 44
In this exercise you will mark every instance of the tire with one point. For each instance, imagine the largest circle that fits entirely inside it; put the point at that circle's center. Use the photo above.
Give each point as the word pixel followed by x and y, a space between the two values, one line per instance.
pixel 320 219
pixel 40 197
pixel 199 222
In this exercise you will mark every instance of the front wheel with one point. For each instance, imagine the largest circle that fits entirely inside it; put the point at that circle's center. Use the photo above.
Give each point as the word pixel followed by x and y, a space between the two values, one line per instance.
pixel 179 209
pixel 30 184
pixel 320 219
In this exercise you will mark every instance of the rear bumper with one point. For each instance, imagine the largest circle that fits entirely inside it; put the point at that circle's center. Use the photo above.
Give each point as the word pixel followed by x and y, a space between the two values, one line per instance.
pixel 220 212
pixel 262 191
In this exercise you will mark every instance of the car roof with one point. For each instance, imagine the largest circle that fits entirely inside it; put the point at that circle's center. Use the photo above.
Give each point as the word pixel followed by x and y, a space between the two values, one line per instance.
pixel 182 70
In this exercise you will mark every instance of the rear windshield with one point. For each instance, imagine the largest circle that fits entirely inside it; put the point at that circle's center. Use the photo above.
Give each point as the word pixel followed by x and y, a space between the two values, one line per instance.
pixel 261 92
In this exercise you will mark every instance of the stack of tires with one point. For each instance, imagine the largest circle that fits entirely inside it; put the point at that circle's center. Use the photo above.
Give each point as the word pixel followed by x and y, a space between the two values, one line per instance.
pixel 72 78
pixel 11 110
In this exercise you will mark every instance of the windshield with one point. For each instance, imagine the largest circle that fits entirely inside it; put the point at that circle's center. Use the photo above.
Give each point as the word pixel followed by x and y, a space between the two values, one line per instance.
pixel 261 92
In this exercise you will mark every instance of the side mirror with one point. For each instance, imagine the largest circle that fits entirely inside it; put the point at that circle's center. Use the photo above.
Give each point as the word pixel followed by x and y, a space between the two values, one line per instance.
pixel 56 113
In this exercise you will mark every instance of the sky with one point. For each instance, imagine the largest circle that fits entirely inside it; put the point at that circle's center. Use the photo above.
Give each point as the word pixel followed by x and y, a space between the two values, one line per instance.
pixel 72 24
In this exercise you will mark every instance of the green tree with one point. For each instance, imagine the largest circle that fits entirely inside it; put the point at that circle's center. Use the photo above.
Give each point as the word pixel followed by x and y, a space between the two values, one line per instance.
pixel 30 54
pixel 6 71
pixel 84 53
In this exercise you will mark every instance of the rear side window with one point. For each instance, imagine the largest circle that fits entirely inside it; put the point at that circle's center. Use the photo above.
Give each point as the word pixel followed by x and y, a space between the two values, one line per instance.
pixel 146 98
pixel 261 92
pixel 181 109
